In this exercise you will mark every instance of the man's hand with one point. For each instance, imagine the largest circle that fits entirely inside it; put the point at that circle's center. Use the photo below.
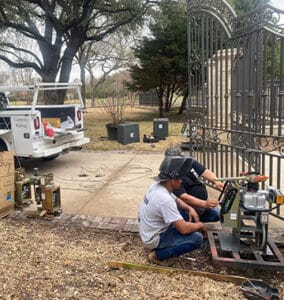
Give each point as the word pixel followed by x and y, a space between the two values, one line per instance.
pixel 203 230
pixel 211 203
pixel 185 227
pixel 219 185
pixel 193 215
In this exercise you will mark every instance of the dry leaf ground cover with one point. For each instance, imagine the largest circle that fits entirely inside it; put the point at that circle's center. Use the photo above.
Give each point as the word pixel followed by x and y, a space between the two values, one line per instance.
pixel 42 261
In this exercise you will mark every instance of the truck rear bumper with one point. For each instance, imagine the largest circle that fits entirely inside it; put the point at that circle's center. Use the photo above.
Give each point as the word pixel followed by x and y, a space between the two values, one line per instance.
pixel 59 149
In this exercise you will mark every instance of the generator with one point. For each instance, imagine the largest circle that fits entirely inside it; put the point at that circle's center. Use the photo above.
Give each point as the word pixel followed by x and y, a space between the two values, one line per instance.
pixel 37 181
pixel 244 214
pixel 46 193
pixel 38 188
pixel 23 188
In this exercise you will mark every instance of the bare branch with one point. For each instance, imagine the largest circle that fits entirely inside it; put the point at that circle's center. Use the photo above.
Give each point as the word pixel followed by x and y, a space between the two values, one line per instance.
pixel 21 65
pixel 12 46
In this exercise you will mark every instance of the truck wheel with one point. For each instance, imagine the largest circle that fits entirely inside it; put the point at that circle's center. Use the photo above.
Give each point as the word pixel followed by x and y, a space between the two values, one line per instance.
pixel 51 157
pixel 3 146
pixel 17 162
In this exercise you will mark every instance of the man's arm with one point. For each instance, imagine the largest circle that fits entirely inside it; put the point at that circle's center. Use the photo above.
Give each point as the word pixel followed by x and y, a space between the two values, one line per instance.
pixel 198 203
pixel 191 211
pixel 210 176
pixel 184 227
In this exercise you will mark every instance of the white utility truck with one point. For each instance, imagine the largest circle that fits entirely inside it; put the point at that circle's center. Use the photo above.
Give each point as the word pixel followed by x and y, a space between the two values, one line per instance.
pixel 41 121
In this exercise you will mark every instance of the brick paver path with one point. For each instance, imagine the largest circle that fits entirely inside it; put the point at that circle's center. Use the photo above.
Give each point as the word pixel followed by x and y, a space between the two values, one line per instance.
pixel 118 224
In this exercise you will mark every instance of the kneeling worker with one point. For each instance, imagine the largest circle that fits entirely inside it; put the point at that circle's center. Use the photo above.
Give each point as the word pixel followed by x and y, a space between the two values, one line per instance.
pixel 194 192
pixel 161 226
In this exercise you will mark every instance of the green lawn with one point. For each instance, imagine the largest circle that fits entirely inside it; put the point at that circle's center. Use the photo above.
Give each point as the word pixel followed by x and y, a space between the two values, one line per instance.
pixel 95 120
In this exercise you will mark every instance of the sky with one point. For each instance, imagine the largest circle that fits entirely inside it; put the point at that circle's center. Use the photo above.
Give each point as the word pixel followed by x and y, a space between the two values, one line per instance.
pixel 279 4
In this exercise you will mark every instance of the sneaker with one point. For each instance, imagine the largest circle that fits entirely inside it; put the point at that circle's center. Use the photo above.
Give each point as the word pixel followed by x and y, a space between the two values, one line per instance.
pixel 152 257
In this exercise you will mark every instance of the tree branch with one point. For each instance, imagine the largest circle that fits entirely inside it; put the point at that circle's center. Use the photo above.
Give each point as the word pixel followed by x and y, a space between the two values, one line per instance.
pixel 22 65
pixel 12 46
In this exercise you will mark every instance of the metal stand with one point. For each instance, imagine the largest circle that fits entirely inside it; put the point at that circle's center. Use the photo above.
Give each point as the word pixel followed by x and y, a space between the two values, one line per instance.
pixel 225 252
pixel 51 200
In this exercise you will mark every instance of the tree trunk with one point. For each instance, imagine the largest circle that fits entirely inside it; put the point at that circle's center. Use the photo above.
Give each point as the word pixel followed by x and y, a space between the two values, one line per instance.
pixel 160 94
pixel 66 69
pixel 92 80
pixel 49 76
pixel 83 80
pixel 183 103
pixel 167 104
pixel 66 66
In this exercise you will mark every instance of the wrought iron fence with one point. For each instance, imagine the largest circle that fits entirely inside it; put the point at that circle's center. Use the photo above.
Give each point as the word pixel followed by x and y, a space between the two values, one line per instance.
pixel 236 84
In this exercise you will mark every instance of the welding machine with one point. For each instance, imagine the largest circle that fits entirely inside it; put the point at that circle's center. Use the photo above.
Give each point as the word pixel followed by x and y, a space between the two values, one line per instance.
pixel 244 216
pixel 244 209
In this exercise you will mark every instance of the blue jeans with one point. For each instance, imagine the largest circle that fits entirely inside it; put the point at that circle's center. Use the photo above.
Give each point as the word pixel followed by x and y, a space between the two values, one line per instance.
pixel 210 215
pixel 205 215
pixel 172 243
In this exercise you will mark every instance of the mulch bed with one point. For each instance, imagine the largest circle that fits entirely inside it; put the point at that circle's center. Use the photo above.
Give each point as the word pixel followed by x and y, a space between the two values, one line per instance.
pixel 42 261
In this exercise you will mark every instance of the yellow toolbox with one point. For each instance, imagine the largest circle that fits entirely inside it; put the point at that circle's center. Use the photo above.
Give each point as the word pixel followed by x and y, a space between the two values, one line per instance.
pixel 54 122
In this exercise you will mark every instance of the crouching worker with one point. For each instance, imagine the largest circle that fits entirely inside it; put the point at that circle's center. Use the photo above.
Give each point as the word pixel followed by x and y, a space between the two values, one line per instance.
pixel 193 191
pixel 161 227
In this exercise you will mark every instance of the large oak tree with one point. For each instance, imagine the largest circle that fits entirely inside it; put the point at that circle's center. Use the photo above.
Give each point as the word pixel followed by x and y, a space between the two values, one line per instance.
pixel 59 28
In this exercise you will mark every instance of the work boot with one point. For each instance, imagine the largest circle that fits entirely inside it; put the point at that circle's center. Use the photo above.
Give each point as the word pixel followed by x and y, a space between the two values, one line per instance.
pixel 152 257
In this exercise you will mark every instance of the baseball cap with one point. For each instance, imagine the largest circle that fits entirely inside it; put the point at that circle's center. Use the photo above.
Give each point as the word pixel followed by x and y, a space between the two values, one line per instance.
pixel 173 151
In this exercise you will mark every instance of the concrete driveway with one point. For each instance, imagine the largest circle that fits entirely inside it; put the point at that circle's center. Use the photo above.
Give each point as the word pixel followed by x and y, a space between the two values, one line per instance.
pixel 105 183
pixel 109 184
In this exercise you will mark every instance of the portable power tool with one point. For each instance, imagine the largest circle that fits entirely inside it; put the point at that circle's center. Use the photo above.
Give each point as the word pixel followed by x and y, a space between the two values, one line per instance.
pixel 245 212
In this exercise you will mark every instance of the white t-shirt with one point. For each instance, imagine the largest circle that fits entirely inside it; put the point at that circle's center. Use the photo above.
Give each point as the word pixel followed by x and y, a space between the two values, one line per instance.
pixel 157 211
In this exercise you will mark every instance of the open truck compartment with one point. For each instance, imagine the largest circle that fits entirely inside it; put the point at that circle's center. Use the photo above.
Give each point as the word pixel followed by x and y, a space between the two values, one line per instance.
pixel 43 120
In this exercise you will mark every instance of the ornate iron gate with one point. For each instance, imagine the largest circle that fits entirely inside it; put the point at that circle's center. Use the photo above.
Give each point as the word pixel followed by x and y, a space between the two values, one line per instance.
pixel 236 84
